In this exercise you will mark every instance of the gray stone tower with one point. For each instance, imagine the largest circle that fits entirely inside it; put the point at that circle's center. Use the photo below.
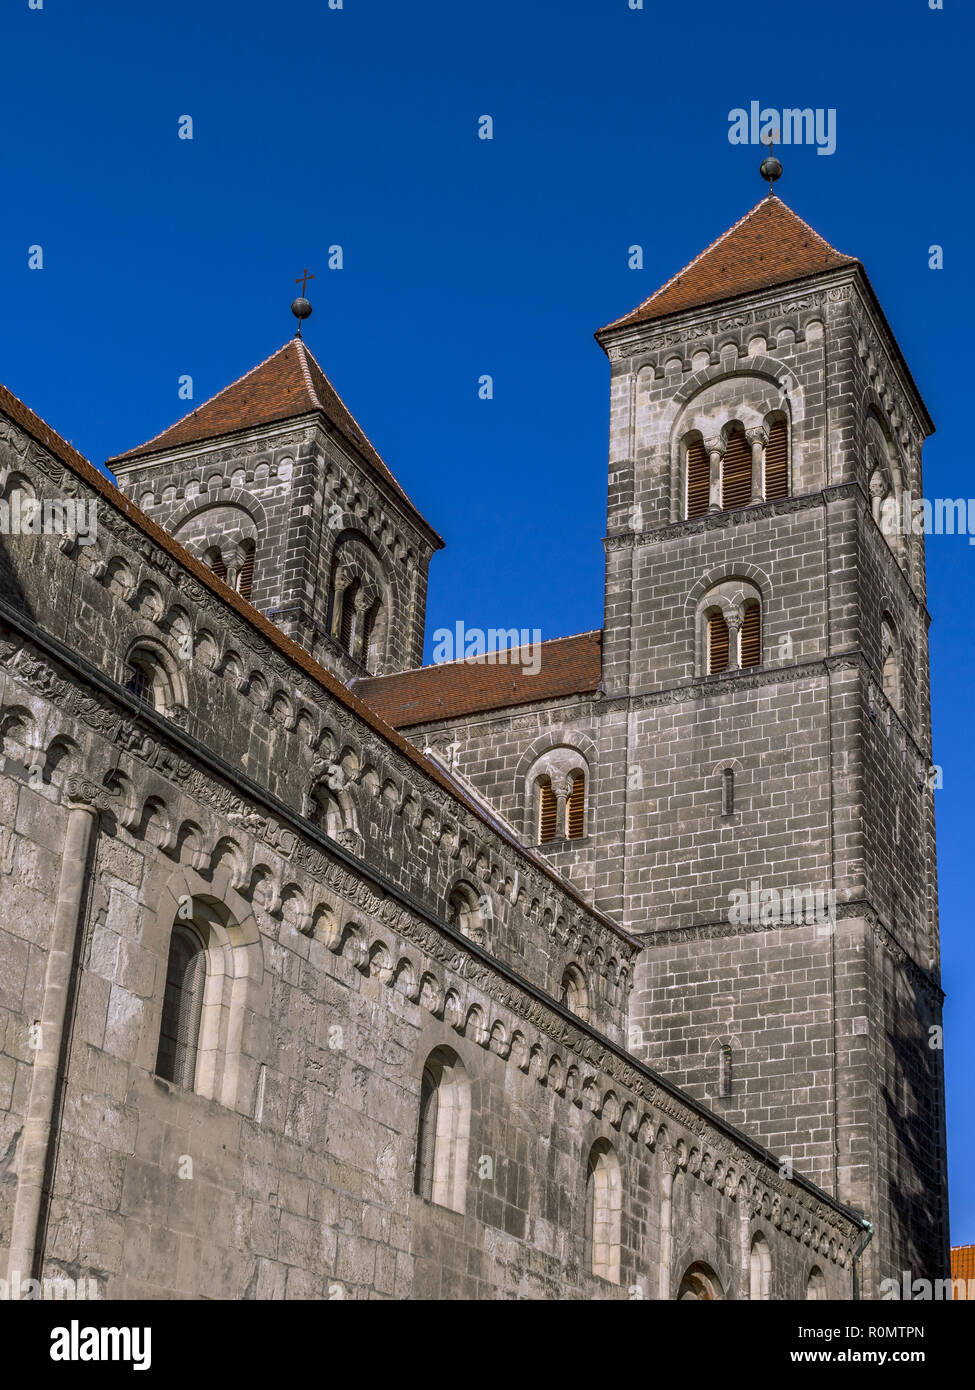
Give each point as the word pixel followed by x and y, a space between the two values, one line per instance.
pixel 753 723
pixel 766 744
pixel 275 486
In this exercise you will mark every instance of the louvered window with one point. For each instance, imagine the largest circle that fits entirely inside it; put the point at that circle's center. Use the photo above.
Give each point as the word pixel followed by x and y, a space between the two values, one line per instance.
pixel 426 1141
pixel 245 579
pixel 575 808
pixel 777 462
pixel 736 472
pixel 215 562
pixel 717 644
pixel 548 810
pixel 698 479
pixel 728 792
pixel 182 1011
pixel 750 638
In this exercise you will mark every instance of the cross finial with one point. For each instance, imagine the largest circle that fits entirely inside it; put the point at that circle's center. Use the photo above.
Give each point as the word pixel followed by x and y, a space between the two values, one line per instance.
pixel 770 141
pixel 300 307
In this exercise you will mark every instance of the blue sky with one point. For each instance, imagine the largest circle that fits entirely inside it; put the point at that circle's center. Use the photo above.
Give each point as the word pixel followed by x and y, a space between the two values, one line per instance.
pixel 357 127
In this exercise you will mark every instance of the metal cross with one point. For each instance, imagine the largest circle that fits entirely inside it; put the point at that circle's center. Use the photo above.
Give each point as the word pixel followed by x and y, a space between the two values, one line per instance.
pixel 303 280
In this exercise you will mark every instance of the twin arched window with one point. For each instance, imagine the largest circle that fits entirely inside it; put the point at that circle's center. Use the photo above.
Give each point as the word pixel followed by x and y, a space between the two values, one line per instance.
pixel 557 796
pixel 736 467
pixel 358 602
pixel 731 633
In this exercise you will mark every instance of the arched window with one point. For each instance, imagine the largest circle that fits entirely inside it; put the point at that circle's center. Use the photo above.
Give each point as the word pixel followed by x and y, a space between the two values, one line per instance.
pixel 575 808
pixel 140 679
pixel 325 811
pixel 698 490
pixel 736 471
pixel 750 637
pixel 604 1211
pixel 760 1269
pixel 816 1285
pixel 700 1283
pixel 717 644
pixel 777 462
pixel 443 1132
pixel 573 993
pixel 179 1033
pixel 891 658
pixel 548 810
pixel 464 913
pixel 728 792
pixel 724 1071
pixel 245 579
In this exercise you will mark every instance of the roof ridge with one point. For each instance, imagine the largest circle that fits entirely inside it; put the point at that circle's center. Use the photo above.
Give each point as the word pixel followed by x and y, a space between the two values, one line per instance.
pixel 365 437
pixel 303 355
pixel 203 404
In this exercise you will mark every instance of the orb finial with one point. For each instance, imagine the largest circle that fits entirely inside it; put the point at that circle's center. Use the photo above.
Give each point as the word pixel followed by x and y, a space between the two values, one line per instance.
pixel 771 168
pixel 300 307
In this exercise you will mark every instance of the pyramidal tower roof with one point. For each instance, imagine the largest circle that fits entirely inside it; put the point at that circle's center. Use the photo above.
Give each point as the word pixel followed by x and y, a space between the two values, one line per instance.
pixel 769 246
pixel 285 386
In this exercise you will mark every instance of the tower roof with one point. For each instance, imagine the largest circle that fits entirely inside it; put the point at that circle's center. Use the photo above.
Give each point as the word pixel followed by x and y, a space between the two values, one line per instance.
pixel 285 386
pixel 769 246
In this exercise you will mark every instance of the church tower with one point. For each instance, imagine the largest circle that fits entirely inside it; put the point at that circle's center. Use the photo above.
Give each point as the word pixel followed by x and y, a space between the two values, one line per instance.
pixel 765 788
pixel 275 486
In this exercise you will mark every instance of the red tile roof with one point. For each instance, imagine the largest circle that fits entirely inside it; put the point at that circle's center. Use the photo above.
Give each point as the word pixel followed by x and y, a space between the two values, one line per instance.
pixel 771 245
pixel 962 1264
pixel 39 430
pixel 566 666
pixel 285 386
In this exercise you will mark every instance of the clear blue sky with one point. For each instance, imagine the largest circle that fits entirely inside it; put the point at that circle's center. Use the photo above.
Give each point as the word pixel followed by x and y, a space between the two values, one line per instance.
pixel 462 257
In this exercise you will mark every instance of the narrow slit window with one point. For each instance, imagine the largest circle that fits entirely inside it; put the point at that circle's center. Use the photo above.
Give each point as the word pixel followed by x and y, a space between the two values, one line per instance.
pixel 698 479
pixel 724 1071
pixel 736 472
pixel 727 792
pixel 777 462
pixel 717 644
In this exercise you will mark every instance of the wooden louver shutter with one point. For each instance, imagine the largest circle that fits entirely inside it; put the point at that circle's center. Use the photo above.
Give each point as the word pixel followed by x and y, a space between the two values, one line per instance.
pixel 698 480
pixel 575 808
pixel 548 810
pixel 736 472
pixel 751 637
pixel 777 462
pixel 216 563
pixel 717 644
pixel 246 578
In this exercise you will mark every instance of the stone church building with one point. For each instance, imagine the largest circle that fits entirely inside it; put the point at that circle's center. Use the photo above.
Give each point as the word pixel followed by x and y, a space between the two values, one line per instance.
pixel 612 974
